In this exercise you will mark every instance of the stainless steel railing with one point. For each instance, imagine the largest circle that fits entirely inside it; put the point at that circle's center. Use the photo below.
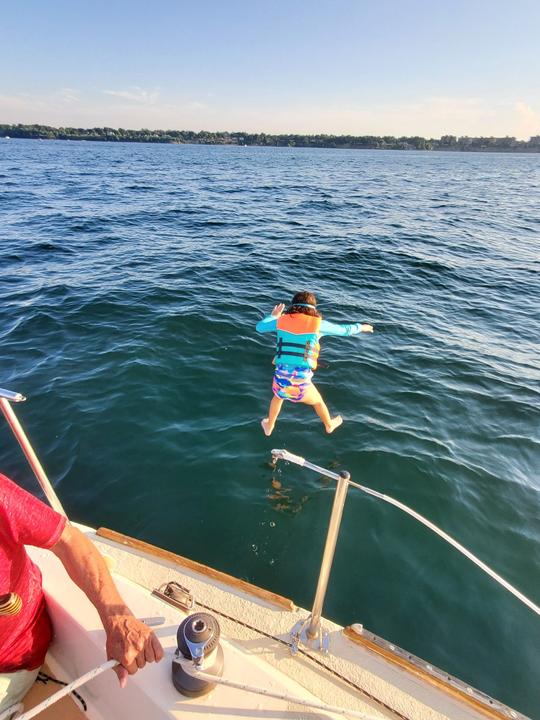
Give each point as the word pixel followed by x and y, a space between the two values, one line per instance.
pixel 6 398
pixel 309 632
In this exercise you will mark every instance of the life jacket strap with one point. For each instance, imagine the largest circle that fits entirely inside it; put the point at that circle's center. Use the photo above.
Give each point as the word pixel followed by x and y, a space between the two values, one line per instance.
pixel 290 344
pixel 309 349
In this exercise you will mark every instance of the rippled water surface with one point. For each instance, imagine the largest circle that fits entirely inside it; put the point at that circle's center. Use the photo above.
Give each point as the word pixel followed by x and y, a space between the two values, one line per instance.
pixel 131 280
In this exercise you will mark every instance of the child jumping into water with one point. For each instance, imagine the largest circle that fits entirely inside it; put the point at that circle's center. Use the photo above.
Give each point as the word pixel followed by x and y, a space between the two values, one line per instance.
pixel 298 331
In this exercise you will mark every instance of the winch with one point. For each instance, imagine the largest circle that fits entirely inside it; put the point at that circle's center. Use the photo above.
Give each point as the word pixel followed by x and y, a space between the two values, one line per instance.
pixel 198 648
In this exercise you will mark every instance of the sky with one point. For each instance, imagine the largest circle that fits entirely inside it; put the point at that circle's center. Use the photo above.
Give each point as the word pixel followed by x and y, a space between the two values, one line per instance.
pixel 361 67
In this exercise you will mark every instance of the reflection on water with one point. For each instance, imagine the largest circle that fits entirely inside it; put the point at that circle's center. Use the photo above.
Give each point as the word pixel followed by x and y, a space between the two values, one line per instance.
pixel 285 499
pixel 291 500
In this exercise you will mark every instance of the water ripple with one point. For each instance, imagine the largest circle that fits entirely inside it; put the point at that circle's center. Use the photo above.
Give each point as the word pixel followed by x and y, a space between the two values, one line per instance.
pixel 133 277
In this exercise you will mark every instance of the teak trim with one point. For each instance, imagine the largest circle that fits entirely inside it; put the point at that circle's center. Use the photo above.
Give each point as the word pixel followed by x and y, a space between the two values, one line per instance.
pixel 426 676
pixel 243 585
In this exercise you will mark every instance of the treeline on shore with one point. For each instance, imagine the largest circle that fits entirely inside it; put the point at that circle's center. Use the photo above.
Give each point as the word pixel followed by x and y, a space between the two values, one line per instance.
pixel 361 142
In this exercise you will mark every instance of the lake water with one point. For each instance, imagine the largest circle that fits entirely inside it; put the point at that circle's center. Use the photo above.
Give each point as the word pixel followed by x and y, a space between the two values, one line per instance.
pixel 132 277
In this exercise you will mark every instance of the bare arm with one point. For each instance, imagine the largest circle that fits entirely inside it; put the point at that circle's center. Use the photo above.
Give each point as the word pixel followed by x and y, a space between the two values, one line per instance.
pixel 129 641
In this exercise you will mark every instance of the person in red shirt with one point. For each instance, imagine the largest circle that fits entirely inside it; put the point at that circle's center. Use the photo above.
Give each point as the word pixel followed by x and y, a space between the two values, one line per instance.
pixel 25 626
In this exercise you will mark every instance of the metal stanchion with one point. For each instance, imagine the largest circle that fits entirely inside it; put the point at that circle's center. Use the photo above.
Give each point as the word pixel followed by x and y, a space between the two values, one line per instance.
pixel 309 632
pixel 314 629
pixel 6 398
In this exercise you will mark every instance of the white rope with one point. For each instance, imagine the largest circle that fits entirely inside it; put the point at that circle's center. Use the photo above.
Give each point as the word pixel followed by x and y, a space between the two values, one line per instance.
pixel 198 674
pixel 281 696
pixel 90 675
pixel 520 596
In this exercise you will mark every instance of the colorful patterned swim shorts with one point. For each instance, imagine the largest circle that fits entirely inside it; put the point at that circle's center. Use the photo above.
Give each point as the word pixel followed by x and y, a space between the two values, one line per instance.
pixel 291 383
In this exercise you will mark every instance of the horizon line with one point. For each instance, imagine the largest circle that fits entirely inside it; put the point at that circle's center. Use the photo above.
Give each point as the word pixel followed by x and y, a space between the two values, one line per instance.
pixel 262 132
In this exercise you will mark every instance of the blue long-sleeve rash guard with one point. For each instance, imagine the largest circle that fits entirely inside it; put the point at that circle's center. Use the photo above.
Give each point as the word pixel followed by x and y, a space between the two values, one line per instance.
pixel 269 324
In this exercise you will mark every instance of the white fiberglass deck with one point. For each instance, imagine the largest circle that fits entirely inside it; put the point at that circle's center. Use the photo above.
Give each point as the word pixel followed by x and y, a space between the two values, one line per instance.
pixel 255 634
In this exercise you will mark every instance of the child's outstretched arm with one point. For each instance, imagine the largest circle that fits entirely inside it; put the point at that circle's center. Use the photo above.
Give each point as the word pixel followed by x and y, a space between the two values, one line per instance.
pixel 330 328
pixel 269 323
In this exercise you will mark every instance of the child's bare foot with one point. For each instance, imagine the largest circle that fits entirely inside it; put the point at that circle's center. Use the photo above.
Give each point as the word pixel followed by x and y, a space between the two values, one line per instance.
pixel 266 427
pixel 333 424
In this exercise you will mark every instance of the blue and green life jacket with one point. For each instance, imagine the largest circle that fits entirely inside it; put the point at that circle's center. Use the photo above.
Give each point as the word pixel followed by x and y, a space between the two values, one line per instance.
pixel 298 340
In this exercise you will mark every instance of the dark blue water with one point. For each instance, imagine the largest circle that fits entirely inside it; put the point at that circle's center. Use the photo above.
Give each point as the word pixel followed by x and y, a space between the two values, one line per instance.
pixel 131 280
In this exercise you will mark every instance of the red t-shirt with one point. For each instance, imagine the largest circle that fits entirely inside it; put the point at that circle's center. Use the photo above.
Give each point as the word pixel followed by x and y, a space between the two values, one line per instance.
pixel 24 520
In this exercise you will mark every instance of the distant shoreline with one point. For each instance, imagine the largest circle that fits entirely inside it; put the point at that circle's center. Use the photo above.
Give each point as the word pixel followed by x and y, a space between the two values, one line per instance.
pixel 348 142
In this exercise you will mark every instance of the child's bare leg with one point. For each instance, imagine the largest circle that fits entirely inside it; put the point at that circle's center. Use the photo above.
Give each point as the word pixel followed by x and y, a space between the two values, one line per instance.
pixel 273 411
pixel 329 423
pixel 313 397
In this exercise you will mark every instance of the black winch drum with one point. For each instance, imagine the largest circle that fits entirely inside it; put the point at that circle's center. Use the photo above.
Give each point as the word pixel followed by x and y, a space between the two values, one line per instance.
pixel 200 628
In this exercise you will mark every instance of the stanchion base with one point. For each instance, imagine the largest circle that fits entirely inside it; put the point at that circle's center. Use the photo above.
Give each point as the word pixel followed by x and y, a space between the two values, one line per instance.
pixel 299 637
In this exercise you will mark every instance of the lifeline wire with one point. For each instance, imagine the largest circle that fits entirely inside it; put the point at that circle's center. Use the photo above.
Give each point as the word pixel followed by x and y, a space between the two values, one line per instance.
pixel 297 460
pixel 520 596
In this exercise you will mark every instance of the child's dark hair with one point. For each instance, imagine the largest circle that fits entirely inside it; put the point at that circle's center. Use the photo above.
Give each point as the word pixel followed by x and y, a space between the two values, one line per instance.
pixel 299 302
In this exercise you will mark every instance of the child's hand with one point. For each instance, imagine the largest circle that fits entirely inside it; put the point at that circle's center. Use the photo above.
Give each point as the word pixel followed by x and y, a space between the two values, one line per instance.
pixel 366 327
pixel 278 310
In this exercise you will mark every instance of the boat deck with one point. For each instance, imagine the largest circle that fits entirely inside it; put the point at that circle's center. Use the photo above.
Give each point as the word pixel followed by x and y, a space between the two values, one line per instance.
pixel 361 672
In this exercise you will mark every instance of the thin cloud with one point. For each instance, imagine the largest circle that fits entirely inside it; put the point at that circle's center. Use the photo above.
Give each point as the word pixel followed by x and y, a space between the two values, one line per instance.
pixel 195 105
pixel 135 94
pixel 69 96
